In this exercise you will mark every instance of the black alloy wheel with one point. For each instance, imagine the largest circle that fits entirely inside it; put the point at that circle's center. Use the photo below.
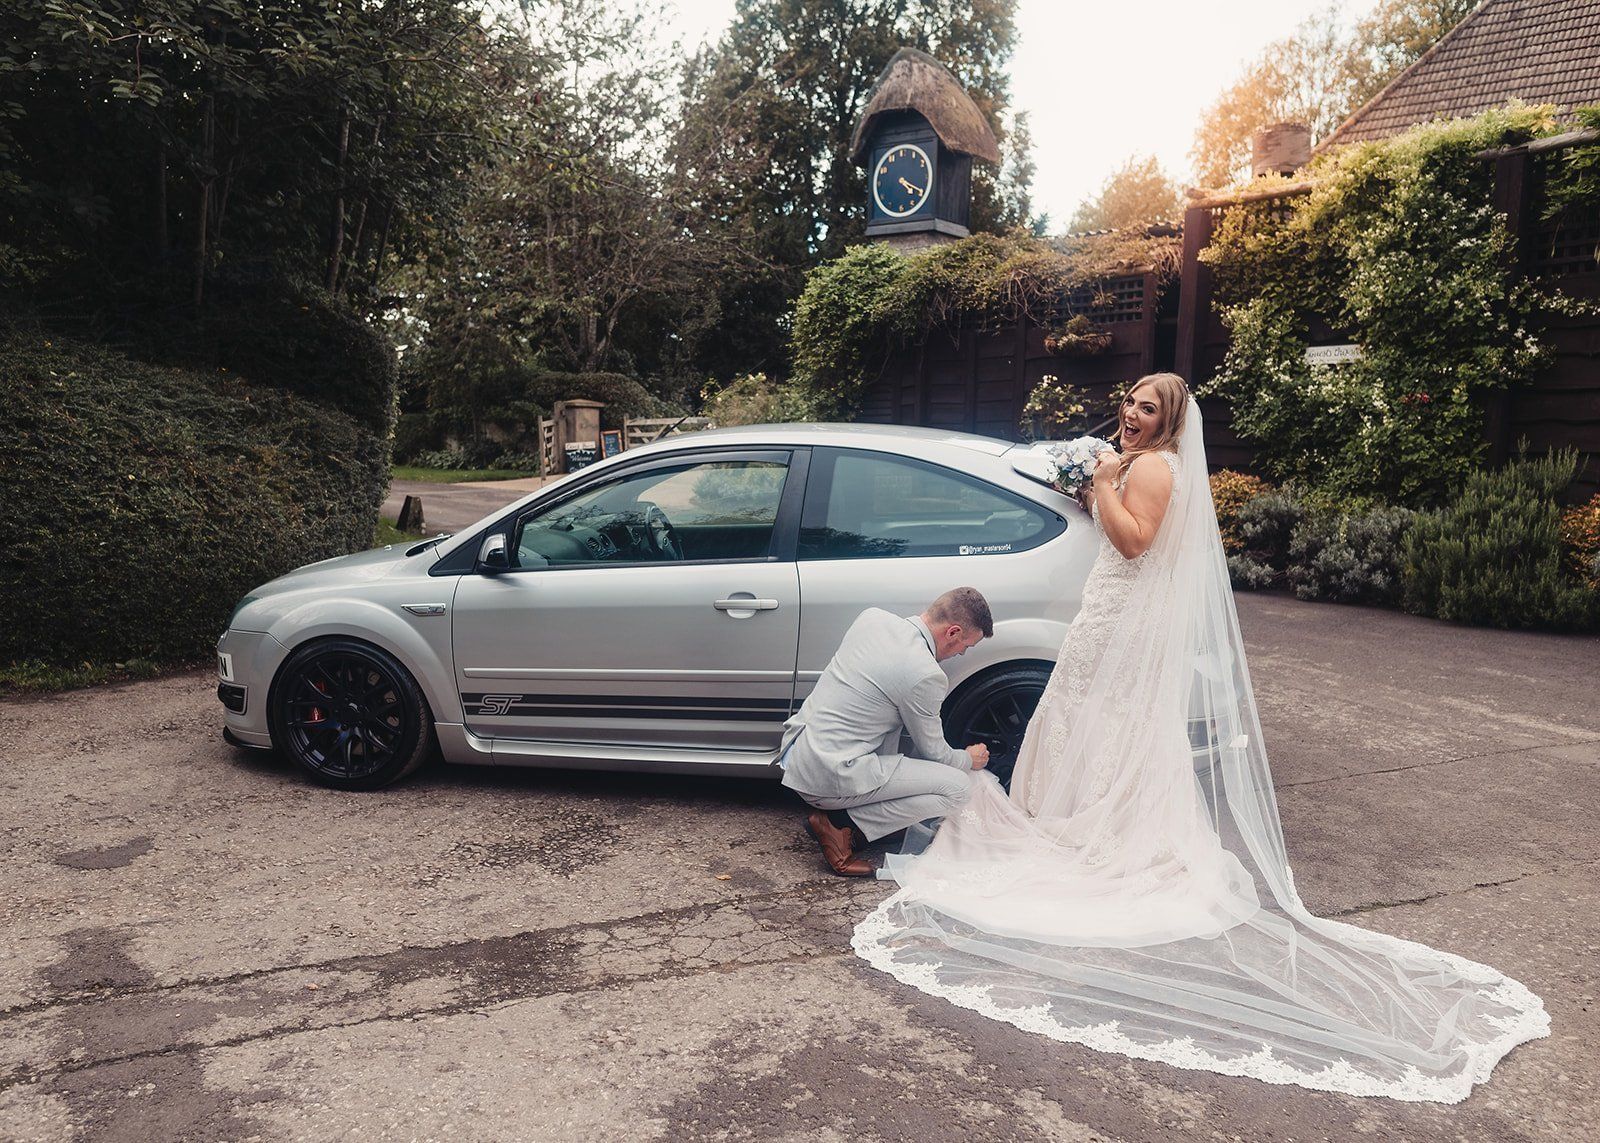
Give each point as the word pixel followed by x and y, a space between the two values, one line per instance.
pixel 350 715
pixel 995 710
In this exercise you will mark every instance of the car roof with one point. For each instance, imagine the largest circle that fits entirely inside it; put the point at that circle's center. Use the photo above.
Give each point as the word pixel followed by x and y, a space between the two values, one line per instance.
pixel 896 438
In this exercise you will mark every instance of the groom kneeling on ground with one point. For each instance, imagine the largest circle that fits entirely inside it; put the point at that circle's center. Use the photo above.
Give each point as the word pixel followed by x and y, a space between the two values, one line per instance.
pixel 841 748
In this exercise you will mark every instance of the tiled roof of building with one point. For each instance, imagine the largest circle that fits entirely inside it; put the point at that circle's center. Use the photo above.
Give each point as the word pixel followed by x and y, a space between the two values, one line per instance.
pixel 1538 51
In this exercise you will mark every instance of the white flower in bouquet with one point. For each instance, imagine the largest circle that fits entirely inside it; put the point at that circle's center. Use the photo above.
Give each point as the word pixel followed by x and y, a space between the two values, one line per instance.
pixel 1074 462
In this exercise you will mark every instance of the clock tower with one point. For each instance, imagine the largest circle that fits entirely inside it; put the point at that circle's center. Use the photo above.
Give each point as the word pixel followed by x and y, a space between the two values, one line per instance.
pixel 917 138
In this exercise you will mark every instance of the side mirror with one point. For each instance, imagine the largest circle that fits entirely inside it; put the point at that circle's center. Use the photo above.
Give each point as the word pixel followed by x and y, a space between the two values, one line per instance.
pixel 492 557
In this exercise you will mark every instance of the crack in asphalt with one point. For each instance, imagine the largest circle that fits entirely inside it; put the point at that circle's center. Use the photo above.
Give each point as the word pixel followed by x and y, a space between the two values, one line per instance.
pixel 1375 906
pixel 23 1076
pixel 368 960
pixel 1436 762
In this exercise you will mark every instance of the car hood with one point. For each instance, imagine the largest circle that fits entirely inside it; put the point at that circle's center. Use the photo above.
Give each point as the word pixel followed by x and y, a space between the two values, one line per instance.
pixel 358 567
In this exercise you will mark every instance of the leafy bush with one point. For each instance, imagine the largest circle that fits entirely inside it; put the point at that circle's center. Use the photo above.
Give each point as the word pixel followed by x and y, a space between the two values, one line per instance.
pixel 449 458
pixel 1266 526
pixel 1580 541
pixel 143 501
pixel 1249 574
pixel 1055 410
pixel 1231 491
pixel 516 462
pixel 1493 556
pixel 754 400
pixel 1350 558
pixel 624 397
pixel 414 434
pixel 1397 247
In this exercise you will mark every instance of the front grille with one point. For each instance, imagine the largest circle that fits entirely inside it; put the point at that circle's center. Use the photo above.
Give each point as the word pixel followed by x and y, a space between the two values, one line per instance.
pixel 232 696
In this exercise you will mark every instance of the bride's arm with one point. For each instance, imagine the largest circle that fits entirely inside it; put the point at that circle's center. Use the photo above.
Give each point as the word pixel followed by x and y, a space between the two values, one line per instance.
pixel 1130 520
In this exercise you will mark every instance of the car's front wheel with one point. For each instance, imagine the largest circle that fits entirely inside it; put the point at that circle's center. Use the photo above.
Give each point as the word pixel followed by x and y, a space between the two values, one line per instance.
pixel 350 715
pixel 995 710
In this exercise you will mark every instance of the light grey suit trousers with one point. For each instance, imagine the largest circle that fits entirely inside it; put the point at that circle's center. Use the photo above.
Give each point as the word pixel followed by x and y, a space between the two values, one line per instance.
pixel 841 748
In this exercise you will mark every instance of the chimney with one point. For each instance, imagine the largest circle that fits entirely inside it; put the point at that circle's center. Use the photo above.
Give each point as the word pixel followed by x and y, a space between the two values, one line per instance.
pixel 1279 149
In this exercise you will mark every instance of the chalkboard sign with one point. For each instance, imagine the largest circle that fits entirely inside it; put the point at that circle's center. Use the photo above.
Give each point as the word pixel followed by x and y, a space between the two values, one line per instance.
pixel 581 454
pixel 610 442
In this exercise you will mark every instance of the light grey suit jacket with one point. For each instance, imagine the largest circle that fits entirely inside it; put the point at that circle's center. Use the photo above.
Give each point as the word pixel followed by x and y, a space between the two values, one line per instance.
pixel 844 740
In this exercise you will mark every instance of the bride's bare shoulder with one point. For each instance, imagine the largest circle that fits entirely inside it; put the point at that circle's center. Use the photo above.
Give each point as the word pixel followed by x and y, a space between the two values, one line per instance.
pixel 1150 473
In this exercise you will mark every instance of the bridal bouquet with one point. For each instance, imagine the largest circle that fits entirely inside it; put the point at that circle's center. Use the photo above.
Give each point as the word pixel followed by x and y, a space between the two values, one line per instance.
pixel 1074 462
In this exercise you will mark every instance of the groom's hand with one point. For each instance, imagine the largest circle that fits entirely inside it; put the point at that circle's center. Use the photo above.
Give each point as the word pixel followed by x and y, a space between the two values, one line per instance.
pixel 979 753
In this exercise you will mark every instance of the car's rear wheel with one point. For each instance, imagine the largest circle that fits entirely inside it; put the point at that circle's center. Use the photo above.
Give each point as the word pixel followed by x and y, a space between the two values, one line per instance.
pixel 995 710
pixel 350 715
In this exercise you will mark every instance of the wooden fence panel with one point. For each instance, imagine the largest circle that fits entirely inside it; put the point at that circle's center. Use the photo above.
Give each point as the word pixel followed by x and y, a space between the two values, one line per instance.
pixel 638 431
pixel 977 378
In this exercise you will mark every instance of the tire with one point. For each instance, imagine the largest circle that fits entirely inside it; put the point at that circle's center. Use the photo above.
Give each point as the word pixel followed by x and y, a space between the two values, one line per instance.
pixel 994 709
pixel 349 715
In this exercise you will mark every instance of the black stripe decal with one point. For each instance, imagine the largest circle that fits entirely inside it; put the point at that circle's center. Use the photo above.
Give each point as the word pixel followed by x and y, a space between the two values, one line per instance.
pixel 635 712
pixel 623 700
pixel 608 707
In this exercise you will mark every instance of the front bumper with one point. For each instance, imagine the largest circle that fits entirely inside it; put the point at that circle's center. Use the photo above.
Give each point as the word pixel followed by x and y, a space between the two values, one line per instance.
pixel 253 657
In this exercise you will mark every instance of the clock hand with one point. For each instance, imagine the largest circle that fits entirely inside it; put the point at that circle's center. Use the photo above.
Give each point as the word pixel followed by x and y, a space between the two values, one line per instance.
pixel 913 188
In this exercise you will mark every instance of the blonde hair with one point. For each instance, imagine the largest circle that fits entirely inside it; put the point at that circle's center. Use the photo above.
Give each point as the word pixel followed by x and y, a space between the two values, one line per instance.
pixel 1174 395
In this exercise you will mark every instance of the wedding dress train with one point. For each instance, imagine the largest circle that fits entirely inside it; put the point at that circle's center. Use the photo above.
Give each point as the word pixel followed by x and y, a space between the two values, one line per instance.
pixel 1133 893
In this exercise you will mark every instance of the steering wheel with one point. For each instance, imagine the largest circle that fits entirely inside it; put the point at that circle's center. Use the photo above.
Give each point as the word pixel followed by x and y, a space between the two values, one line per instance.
pixel 662 536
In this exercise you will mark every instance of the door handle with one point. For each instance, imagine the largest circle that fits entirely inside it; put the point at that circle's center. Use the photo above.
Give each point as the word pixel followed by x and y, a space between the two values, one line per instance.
pixel 746 605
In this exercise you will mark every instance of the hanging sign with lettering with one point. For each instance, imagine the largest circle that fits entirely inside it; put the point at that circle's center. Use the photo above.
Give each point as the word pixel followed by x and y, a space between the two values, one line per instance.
pixel 1332 354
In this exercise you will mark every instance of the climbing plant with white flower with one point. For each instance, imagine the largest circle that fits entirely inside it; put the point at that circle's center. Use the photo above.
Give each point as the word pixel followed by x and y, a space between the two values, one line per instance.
pixel 1397 249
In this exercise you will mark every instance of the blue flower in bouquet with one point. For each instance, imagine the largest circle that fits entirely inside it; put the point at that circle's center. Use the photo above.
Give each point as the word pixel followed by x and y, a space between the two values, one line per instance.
pixel 1074 462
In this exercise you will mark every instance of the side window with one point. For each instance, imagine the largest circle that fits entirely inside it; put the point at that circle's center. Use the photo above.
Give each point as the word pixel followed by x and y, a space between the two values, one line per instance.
pixel 713 510
pixel 882 506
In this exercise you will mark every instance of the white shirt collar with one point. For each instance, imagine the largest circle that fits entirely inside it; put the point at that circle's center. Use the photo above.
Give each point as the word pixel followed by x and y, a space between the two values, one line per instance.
pixel 927 636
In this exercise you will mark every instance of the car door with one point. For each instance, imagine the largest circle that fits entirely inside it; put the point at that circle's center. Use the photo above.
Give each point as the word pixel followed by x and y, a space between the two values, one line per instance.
pixel 883 530
pixel 654 606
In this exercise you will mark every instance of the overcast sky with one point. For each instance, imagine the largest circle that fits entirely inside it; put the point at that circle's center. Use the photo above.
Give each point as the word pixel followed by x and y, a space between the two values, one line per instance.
pixel 1104 81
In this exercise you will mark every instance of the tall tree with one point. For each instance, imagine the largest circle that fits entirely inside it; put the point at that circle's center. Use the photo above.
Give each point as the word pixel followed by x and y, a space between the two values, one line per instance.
pixel 1318 76
pixel 801 71
pixel 591 218
pixel 1138 191
pixel 148 142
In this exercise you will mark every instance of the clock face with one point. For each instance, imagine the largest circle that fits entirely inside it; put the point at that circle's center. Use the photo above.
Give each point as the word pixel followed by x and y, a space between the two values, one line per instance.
pixel 902 180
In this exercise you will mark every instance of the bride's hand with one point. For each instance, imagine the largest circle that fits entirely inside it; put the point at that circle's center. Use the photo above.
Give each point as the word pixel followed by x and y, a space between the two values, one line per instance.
pixel 1105 468
pixel 1086 498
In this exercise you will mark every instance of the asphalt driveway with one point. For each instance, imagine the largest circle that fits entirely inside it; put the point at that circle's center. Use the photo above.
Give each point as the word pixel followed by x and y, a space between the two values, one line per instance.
pixel 201 946
pixel 451 507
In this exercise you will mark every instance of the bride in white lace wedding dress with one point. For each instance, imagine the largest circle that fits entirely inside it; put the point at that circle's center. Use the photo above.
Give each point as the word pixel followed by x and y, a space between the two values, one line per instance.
pixel 1132 893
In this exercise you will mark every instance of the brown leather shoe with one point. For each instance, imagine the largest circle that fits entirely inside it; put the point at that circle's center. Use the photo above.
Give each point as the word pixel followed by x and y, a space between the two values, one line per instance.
pixel 836 846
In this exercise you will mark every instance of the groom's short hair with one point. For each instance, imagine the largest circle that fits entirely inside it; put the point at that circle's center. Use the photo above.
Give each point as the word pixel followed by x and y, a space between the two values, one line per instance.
pixel 965 606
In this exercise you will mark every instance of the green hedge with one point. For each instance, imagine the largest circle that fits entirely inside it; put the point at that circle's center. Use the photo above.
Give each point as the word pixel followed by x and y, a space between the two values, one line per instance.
pixel 141 501
pixel 274 329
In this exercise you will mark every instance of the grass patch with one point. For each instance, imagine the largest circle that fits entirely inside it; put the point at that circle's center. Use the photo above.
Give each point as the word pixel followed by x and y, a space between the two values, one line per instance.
pixel 32 676
pixel 388 533
pixel 456 475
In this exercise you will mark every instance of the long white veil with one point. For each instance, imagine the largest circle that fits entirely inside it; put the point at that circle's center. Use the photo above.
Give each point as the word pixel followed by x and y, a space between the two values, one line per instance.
pixel 1146 906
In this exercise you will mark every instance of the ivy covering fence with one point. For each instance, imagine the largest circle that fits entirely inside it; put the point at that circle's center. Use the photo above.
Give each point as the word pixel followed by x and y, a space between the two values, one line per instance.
pixel 863 307
pixel 1396 247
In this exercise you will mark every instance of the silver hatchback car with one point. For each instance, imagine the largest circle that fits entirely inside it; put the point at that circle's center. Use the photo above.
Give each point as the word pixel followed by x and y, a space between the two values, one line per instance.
pixel 665 609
